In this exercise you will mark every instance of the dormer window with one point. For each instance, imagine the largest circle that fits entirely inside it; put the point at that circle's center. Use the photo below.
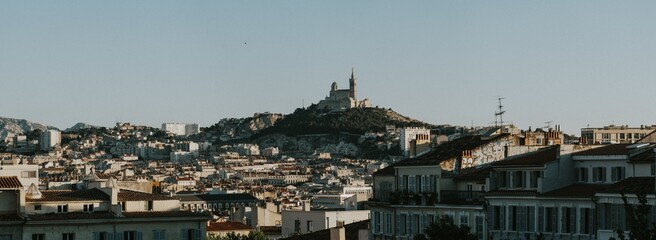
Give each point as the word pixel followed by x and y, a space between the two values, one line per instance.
pixel 37 207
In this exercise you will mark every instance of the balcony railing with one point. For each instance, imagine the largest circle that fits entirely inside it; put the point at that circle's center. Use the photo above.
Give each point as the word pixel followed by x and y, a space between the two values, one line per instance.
pixel 406 198
pixel 462 196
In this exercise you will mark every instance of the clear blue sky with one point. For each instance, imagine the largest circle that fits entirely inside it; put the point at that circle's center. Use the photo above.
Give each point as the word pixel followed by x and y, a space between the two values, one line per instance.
pixel 576 63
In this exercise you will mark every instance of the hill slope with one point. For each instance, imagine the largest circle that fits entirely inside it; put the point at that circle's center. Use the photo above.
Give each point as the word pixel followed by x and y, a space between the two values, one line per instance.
pixel 355 120
pixel 18 126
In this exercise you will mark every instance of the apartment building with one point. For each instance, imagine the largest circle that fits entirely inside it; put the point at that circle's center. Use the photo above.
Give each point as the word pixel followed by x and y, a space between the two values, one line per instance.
pixel 615 134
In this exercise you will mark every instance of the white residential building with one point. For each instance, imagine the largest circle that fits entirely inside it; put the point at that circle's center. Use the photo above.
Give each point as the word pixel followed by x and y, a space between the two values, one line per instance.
pixel 181 129
pixel 409 134
pixel 49 139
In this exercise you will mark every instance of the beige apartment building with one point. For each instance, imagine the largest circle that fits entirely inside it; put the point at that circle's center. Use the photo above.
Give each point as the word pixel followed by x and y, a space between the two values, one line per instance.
pixel 615 134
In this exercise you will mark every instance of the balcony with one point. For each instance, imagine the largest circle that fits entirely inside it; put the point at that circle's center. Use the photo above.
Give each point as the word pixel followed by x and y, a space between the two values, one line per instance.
pixel 464 197
pixel 416 199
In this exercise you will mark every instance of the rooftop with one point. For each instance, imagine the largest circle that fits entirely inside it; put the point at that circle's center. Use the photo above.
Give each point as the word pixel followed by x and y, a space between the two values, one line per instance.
pixel 613 149
pixel 10 182
pixel 537 158
pixel 227 226
pixel 93 194
pixel 351 231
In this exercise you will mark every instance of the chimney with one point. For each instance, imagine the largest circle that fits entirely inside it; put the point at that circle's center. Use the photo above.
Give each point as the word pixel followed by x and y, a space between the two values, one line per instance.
pixel 338 233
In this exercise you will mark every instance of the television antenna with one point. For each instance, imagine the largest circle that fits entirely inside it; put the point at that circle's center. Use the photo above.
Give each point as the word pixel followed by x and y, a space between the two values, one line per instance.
pixel 498 116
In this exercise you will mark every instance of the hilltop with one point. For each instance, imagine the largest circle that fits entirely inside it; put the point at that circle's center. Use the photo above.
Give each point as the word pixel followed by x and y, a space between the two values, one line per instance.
pixel 311 120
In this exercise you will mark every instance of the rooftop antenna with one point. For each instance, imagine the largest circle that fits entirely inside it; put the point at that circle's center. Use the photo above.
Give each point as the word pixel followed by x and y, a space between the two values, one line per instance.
pixel 548 124
pixel 499 114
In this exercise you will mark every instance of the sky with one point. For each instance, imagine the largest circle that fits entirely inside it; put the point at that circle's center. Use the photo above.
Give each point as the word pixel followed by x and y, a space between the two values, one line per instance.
pixel 573 63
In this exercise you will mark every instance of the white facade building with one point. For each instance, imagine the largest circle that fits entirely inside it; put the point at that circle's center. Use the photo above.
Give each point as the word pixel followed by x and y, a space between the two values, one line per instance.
pixel 300 222
pixel 409 134
pixel 181 129
pixel 49 139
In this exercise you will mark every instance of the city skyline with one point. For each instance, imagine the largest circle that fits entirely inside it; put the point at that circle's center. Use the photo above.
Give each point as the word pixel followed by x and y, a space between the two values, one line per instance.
pixel 577 64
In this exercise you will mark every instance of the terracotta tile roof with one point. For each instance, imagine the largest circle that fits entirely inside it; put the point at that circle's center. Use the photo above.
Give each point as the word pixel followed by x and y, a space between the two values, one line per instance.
pixel 10 218
pixel 166 214
pixel 632 185
pixel 240 197
pixel 613 149
pixel 71 196
pixel 351 230
pixel 109 215
pixel 125 195
pixel 581 190
pixel 227 226
pixel 537 158
pixel 10 182
pixel 70 216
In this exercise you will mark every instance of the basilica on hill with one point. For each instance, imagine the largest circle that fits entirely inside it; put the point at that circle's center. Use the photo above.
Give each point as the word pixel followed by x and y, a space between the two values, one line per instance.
pixel 340 99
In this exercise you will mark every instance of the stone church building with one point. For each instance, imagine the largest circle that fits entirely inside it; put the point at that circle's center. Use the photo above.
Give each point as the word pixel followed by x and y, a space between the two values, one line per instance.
pixel 343 98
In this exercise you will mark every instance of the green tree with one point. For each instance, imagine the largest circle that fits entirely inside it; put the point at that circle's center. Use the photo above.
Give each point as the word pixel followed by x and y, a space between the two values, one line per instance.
pixel 254 235
pixel 446 229
pixel 637 219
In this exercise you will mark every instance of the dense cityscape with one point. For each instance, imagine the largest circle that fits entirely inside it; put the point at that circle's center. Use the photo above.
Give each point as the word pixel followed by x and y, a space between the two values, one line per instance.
pixel 247 179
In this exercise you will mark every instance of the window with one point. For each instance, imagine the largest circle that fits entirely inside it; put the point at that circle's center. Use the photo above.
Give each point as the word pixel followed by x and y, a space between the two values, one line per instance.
pixel 158 234
pixel 568 218
pixel 309 225
pixel 599 174
pixel 617 174
pixel 37 207
pixel 586 220
pixel 68 236
pixel 297 226
pixel 636 135
pixel 88 207
pixel 518 179
pixel 535 175
pixel 102 236
pixel 582 174
pixel 38 236
pixel 512 218
pixel 605 136
pixel 376 223
pixel 132 235
pixel 653 169
pixel 149 207
pixel 479 227
pixel 503 179
pixel 190 234
pixel 28 174
pixel 550 219
pixel 123 206
pixel 464 219
pixel 622 136
pixel 62 208
pixel 411 184
pixel 401 223
pixel 388 223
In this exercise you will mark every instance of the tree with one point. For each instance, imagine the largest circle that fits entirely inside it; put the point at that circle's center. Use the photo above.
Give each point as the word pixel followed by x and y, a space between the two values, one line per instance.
pixel 254 235
pixel 637 219
pixel 446 229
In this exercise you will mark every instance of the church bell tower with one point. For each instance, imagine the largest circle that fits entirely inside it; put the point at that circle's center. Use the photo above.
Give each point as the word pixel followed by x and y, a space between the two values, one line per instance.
pixel 352 84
